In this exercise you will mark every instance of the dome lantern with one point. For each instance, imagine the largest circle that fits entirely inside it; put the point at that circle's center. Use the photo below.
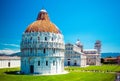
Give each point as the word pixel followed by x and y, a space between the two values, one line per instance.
pixel 43 15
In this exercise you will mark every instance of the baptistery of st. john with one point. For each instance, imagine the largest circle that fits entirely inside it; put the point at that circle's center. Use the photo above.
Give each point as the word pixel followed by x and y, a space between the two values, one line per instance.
pixel 42 47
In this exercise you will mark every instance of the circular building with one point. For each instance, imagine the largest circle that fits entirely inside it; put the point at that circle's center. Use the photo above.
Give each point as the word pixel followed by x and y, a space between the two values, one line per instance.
pixel 42 47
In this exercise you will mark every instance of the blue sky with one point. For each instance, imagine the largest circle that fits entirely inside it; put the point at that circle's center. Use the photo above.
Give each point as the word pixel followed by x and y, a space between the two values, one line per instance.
pixel 87 20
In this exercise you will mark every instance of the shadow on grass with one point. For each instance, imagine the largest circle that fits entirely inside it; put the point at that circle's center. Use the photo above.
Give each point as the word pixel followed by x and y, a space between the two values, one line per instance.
pixel 13 72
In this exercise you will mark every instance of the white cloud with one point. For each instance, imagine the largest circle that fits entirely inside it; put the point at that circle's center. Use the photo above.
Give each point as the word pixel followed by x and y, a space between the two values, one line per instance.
pixel 14 45
pixel 8 51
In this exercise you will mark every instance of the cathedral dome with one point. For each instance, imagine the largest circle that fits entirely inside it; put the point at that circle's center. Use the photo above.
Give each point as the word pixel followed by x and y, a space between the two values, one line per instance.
pixel 42 24
pixel 78 43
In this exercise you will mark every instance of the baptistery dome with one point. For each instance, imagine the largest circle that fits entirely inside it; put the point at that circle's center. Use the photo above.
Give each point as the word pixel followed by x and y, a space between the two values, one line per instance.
pixel 42 24
pixel 42 47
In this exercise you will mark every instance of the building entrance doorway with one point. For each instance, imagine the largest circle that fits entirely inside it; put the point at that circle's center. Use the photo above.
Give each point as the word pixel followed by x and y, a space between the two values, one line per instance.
pixel 31 69
pixel 68 63
pixel 75 63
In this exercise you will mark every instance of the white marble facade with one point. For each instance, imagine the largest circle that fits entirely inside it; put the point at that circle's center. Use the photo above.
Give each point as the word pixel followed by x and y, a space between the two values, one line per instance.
pixel 75 55
pixel 92 57
pixel 9 62
pixel 42 52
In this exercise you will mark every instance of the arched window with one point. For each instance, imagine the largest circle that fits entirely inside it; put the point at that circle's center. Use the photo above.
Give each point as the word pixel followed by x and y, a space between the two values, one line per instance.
pixel 53 63
pixel 38 38
pixel 46 63
pixel 8 64
pixel 44 50
pixel 52 38
pixel 30 38
pixel 53 50
pixel 25 40
pixel 38 63
pixel 45 38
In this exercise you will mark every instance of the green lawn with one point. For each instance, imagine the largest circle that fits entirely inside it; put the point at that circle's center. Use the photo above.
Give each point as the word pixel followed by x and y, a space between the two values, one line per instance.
pixel 106 68
pixel 8 75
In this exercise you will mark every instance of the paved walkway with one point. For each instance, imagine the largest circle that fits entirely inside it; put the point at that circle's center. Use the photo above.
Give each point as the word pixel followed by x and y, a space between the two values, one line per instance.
pixel 118 77
pixel 92 71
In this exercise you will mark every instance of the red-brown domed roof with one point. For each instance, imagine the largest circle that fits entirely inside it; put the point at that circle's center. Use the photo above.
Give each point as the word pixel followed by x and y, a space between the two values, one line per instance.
pixel 42 24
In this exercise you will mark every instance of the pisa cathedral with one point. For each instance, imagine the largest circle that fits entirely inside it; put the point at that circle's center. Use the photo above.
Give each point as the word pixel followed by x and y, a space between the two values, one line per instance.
pixel 75 55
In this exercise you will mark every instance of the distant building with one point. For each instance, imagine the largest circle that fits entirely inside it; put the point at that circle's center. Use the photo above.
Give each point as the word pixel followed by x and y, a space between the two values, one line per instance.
pixel 92 57
pixel 118 59
pixel 42 47
pixel 9 62
pixel 112 60
pixel 75 55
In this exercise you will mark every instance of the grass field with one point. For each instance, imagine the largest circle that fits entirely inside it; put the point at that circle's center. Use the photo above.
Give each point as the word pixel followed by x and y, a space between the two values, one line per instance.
pixel 105 68
pixel 8 74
